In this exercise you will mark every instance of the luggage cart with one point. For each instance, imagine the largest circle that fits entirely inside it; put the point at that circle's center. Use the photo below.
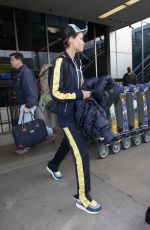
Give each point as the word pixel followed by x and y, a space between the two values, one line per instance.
pixel 122 119
pixel 143 112
pixel 133 115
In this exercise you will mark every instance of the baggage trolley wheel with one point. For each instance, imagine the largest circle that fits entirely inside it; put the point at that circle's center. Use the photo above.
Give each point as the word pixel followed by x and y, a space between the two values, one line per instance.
pixel 146 137
pixel 103 151
pixel 115 147
pixel 137 140
pixel 126 143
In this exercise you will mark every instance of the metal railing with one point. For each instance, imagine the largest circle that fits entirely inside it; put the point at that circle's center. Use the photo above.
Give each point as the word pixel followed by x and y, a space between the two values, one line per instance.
pixel 144 75
pixel 119 81
pixel 8 107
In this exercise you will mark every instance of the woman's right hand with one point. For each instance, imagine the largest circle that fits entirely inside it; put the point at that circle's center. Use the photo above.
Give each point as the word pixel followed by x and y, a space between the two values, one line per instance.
pixel 86 94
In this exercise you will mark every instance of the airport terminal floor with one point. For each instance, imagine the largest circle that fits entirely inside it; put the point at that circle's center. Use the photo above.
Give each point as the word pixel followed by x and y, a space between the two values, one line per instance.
pixel 30 199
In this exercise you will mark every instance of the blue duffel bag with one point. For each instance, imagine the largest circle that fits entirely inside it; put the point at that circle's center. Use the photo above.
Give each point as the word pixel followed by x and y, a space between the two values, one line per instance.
pixel 30 133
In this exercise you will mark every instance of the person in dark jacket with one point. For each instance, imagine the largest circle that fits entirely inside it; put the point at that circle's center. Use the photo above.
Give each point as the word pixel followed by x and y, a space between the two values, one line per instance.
pixel 129 78
pixel 66 95
pixel 26 91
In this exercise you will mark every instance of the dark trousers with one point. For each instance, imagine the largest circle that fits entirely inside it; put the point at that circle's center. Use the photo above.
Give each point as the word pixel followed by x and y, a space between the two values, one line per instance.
pixel 59 155
pixel 74 142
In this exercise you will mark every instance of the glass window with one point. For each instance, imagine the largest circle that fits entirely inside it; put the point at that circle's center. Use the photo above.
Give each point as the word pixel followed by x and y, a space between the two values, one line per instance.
pixel 101 49
pixel 88 56
pixel 55 25
pixel 141 49
pixel 32 38
pixel 146 49
pixel 7 35
pixel 137 46
pixel 146 34
pixel 31 30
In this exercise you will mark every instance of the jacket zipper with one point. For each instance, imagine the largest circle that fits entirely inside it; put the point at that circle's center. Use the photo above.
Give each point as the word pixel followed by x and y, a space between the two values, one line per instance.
pixel 82 78
pixel 77 71
pixel 65 110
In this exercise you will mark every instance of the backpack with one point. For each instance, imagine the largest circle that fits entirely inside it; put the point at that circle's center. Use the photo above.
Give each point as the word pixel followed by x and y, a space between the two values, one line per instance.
pixel 45 77
pixel 43 85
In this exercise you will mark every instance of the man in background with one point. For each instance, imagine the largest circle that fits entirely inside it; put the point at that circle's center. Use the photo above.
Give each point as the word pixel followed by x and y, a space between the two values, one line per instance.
pixel 26 91
pixel 129 78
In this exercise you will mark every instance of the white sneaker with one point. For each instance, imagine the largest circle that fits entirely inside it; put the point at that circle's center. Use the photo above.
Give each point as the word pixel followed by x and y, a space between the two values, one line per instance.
pixel 56 175
pixel 22 151
pixel 93 208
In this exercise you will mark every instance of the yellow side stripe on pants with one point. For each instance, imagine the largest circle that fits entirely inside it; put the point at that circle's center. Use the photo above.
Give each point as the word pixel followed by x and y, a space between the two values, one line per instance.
pixel 79 163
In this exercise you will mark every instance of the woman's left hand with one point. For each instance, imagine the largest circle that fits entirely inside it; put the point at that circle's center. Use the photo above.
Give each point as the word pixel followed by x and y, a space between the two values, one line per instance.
pixel 26 110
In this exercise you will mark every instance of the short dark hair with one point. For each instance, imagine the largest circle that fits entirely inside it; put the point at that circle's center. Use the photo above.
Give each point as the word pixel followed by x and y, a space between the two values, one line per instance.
pixel 17 55
pixel 128 68
pixel 66 42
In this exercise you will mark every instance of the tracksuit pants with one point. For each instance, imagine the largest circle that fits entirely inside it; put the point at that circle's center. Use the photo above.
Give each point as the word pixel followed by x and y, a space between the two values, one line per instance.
pixel 74 142
pixel 61 153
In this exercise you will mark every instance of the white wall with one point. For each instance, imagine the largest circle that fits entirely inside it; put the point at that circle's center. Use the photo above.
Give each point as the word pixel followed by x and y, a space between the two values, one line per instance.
pixel 120 51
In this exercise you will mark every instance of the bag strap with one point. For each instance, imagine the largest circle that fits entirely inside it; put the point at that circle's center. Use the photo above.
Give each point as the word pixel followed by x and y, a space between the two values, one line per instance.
pixel 32 117
pixel 45 71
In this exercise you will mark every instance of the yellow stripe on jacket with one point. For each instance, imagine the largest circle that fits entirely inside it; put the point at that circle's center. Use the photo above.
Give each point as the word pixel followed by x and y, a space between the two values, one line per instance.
pixel 79 164
pixel 56 82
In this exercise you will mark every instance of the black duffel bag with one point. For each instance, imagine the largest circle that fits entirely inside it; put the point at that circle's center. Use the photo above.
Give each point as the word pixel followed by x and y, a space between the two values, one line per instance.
pixel 30 133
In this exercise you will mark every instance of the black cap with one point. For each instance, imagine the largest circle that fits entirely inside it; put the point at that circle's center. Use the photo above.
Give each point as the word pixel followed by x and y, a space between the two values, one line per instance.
pixel 72 29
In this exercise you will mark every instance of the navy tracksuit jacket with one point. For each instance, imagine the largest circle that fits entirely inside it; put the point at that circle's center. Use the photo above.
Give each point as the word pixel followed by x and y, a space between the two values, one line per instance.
pixel 66 93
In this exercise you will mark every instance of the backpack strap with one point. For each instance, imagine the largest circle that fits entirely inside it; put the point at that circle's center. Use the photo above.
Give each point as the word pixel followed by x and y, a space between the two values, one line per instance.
pixel 45 71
